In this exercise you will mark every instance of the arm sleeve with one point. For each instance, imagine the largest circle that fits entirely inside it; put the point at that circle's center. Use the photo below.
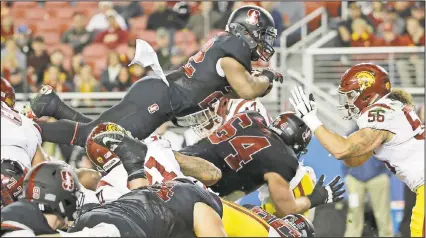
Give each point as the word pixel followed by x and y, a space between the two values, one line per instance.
pixel 237 49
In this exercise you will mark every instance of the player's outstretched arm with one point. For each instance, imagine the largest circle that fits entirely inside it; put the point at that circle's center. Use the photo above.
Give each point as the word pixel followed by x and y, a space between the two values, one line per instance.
pixel 207 223
pixel 248 86
pixel 359 144
pixel 198 168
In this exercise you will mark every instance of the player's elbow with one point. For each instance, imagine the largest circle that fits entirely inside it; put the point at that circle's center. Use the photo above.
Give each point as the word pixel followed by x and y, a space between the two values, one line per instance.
pixel 246 93
pixel 214 175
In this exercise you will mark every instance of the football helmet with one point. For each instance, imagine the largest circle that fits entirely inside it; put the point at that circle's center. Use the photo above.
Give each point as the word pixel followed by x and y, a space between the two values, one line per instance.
pixel 12 178
pixel 255 26
pixel 293 131
pixel 7 93
pixel 104 159
pixel 54 186
pixel 301 223
pixel 361 86
pixel 203 122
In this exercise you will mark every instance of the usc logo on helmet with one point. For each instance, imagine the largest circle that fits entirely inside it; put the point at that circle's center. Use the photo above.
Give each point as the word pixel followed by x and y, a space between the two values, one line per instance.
pixel 365 79
pixel 113 127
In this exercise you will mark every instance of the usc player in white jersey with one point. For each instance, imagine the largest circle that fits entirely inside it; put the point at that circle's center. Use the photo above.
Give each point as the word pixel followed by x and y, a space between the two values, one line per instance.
pixel 20 136
pixel 389 129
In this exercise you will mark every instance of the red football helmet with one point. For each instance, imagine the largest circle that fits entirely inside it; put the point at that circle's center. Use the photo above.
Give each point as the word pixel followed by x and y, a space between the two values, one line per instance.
pixel 7 93
pixel 101 157
pixel 12 178
pixel 361 86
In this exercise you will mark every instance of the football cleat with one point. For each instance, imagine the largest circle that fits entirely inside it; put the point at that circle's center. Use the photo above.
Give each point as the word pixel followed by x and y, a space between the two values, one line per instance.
pixel 46 102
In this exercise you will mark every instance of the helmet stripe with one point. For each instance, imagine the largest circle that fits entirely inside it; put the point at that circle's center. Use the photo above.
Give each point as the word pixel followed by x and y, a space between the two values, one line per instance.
pixel 31 181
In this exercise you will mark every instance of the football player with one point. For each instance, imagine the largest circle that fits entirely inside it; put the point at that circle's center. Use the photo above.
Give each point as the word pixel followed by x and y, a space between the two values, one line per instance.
pixel 20 136
pixel 238 221
pixel 222 66
pixel 52 197
pixel 389 129
pixel 304 180
pixel 132 153
pixel 12 179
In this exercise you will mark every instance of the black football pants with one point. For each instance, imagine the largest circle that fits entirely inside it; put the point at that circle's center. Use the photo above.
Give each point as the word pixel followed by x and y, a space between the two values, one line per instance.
pixel 142 110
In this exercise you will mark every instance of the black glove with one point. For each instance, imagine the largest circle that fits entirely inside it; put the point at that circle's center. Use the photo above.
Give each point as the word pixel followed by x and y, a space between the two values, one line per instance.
pixel 131 152
pixel 272 75
pixel 332 192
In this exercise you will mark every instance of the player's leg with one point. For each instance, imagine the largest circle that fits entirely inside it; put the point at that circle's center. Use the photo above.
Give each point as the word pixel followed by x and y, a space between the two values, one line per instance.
pixel 355 217
pixel 240 222
pixel 48 103
pixel 417 226
pixel 144 108
pixel 379 190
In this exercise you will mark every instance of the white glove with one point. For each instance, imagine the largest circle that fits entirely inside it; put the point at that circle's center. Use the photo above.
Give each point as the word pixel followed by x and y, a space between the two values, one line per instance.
pixel 305 108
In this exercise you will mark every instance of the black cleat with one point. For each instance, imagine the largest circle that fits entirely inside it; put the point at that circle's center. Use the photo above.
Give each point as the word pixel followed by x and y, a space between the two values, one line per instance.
pixel 46 103
pixel 109 139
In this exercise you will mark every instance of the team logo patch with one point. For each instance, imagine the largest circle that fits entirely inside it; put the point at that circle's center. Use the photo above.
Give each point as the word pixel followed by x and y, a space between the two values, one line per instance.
pixel 365 79
pixel 153 108
pixel 253 17
pixel 67 180
pixel 113 127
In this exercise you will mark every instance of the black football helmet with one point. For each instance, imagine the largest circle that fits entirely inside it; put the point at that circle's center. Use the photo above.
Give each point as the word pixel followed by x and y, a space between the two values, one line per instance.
pixel 256 27
pixel 12 179
pixel 54 186
pixel 294 132
pixel 301 223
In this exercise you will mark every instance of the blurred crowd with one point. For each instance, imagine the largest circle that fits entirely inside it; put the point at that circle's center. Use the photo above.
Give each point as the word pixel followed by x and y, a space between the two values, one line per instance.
pixel 98 40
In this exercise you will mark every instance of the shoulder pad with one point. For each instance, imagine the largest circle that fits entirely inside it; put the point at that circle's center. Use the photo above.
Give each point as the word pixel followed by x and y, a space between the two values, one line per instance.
pixel 237 49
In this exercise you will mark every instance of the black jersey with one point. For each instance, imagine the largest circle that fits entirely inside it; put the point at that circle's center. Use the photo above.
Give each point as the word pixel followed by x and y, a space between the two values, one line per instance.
pixel 160 210
pixel 245 149
pixel 198 83
pixel 24 215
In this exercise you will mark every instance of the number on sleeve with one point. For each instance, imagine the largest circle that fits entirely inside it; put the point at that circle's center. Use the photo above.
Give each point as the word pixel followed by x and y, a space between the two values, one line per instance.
pixel 414 122
pixel 197 58
pixel 164 191
pixel 11 115
pixel 376 115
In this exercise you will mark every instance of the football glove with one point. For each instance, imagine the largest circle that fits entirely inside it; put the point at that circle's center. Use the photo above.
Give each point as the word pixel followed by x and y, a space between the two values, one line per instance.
pixel 272 75
pixel 329 193
pixel 305 108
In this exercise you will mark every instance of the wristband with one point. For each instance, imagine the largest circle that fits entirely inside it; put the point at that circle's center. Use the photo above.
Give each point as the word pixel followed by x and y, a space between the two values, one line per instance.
pixel 312 121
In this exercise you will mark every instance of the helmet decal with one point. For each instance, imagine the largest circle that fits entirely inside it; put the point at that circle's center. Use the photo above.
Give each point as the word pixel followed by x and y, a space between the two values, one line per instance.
pixel 365 79
pixel 67 181
pixel 253 16
pixel 306 135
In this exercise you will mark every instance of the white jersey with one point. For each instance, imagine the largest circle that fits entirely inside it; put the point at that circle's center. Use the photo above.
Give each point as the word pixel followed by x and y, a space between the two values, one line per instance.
pixel 404 154
pixel 236 106
pixel 160 166
pixel 20 136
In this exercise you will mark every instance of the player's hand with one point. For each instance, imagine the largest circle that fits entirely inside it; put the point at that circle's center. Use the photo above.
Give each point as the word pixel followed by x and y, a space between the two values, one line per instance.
pixel 305 108
pixel 272 75
pixel 329 193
